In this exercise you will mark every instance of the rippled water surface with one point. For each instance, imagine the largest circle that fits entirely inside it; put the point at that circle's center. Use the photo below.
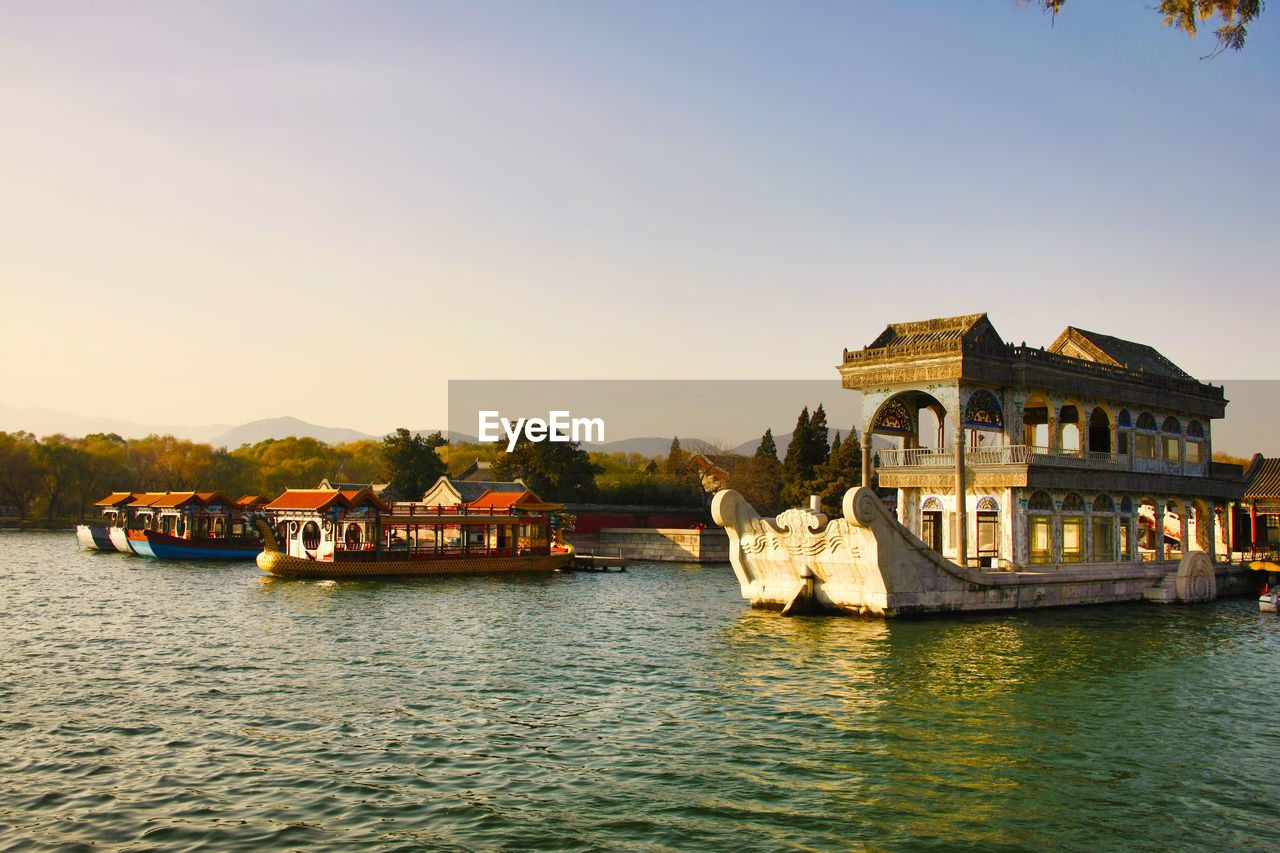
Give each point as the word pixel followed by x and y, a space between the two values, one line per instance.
pixel 151 705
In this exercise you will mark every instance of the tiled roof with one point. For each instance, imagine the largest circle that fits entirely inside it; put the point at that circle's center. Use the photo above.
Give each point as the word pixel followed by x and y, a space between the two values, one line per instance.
pixel 1117 351
pixel 172 500
pixel 930 331
pixel 469 490
pixel 307 499
pixel 145 499
pixel 1262 480
pixel 525 500
pixel 116 499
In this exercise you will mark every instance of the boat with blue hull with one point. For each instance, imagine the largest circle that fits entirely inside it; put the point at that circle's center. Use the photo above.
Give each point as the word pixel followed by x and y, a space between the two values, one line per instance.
pixel 176 526
pixel 165 546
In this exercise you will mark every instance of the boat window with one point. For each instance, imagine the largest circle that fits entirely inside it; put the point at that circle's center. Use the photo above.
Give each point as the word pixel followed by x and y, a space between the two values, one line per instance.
pixel 1193 452
pixel 353 536
pixel 1144 446
pixel 1040 500
pixel 1072 539
pixel 1103 503
pixel 1126 505
pixel 1170 448
pixel 1146 421
pixel 1194 429
pixel 1104 535
pixel 1123 419
pixel 311 536
pixel 1039 529
pixel 1171 425
pixel 1073 503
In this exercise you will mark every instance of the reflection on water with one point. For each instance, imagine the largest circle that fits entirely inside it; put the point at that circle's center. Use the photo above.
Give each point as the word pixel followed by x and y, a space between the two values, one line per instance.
pixel 151 705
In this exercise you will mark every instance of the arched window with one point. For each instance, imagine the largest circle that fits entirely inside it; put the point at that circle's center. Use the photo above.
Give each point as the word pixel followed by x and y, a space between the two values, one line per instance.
pixel 1126 525
pixel 1040 501
pixel 1123 419
pixel 983 411
pixel 1126 505
pixel 988 504
pixel 931 523
pixel 1171 425
pixel 1073 503
pixel 353 536
pixel 894 417
pixel 1103 503
pixel 1194 429
pixel 1144 443
pixel 311 536
pixel 1170 445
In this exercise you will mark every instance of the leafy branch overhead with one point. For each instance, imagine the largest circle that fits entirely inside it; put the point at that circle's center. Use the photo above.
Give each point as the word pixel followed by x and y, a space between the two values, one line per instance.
pixel 1187 15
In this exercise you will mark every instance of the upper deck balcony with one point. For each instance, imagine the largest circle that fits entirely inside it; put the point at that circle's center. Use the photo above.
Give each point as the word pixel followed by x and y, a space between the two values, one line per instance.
pixel 1029 465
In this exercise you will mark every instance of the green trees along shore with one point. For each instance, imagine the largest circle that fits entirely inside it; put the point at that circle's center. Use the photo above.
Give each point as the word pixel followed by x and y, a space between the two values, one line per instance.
pixel 61 477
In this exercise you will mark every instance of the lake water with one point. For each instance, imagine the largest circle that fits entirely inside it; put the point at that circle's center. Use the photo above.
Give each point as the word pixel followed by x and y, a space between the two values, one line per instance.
pixel 148 705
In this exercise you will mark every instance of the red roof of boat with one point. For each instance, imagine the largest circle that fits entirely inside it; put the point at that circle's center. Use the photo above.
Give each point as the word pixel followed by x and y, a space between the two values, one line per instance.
pixel 316 500
pixel 116 499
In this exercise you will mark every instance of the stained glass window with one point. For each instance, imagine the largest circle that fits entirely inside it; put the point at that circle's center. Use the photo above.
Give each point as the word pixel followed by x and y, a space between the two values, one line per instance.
pixel 895 417
pixel 988 504
pixel 983 410
pixel 932 503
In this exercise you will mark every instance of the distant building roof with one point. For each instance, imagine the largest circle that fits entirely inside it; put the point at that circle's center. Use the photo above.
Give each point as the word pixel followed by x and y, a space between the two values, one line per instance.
pixel 476 473
pixel 1262 480
pixel 1092 346
pixel 448 491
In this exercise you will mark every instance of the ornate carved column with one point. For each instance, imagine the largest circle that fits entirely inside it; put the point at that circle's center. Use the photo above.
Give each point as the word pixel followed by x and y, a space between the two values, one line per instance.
pixel 962 515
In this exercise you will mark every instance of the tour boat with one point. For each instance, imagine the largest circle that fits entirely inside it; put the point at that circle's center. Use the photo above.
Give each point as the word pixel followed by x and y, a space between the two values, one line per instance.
pixel 1025 477
pixel 354 534
pixel 176 525
pixel 1270 598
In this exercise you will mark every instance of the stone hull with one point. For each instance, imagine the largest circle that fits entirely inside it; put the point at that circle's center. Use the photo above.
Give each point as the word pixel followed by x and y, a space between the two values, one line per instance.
pixel 866 563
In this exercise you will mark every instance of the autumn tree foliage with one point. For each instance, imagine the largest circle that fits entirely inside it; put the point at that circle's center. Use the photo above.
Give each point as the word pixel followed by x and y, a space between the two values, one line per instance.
pixel 1187 15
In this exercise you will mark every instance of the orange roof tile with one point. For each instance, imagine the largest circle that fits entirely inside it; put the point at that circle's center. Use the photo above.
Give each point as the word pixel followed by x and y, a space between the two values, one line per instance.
pixel 526 501
pixel 116 499
pixel 142 500
pixel 173 500
pixel 307 499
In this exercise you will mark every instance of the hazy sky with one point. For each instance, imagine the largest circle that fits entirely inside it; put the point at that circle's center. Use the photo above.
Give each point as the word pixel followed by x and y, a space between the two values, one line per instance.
pixel 217 212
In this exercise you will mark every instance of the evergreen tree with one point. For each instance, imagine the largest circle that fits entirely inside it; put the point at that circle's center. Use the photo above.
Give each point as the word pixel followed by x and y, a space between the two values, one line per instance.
pixel 841 472
pixel 767 449
pixel 677 459
pixel 797 467
pixel 819 450
pixel 759 479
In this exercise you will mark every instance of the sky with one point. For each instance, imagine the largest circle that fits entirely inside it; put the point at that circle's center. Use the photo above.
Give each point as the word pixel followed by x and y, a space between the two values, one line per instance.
pixel 218 212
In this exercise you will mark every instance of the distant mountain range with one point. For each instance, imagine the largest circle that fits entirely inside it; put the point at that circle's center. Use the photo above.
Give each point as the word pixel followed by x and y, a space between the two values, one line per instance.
pixel 43 422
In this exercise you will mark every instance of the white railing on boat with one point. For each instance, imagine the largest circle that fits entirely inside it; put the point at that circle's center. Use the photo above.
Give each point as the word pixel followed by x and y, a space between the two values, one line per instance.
pixel 1013 454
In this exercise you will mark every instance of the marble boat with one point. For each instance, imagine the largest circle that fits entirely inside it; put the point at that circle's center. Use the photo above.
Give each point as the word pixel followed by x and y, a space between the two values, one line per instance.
pixel 1022 477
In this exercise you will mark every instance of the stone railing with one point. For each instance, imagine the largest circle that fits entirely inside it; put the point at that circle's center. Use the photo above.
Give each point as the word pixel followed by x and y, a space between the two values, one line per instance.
pixel 1014 454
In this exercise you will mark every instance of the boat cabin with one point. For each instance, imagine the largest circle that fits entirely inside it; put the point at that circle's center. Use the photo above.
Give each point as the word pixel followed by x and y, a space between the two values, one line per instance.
pixel 356 526
pixel 1091 450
